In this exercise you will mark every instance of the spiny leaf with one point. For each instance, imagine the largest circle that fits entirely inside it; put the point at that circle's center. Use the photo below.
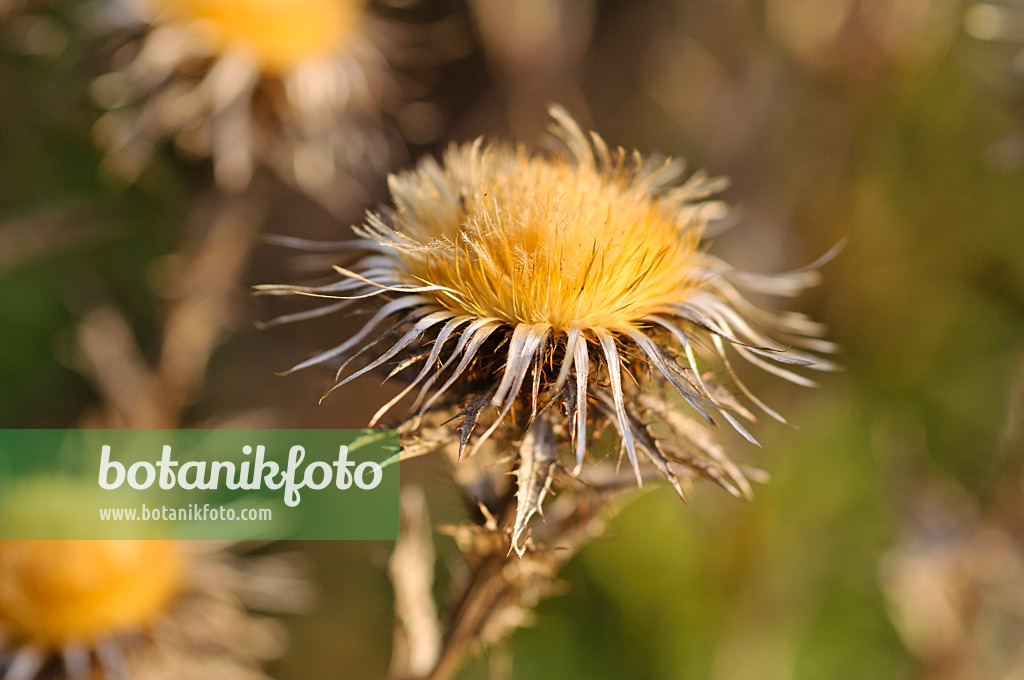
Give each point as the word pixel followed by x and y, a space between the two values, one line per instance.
pixel 538 457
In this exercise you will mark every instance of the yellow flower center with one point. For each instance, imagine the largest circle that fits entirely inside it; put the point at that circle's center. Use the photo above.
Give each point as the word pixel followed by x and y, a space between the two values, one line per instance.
pixel 538 240
pixel 281 34
pixel 56 592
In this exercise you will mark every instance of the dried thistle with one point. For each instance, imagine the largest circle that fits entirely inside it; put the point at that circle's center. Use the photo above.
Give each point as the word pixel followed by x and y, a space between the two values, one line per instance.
pixel 295 85
pixel 525 282
pixel 139 609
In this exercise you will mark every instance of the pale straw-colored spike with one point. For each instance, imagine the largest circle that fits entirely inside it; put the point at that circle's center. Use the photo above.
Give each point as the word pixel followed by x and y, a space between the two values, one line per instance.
pixel 581 357
pixel 384 312
pixel 611 356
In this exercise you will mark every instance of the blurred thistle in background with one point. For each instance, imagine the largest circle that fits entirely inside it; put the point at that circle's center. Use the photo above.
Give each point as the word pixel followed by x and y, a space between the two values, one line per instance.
pixel 575 282
pixel 140 609
pixel 295 85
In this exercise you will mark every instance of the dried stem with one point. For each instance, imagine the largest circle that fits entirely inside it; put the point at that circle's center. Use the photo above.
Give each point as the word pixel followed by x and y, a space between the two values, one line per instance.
pixel 204 290
pixel 417 630
pixel 503 588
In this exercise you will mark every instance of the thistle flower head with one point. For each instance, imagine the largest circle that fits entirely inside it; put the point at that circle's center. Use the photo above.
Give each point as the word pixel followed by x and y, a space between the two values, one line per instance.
pixel 293 85
pixel 127 608
pixel 282 35
pixel 520 281
pixel 52 592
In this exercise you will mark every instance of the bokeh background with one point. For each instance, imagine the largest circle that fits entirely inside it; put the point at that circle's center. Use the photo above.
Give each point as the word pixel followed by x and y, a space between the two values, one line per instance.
pixel 890 540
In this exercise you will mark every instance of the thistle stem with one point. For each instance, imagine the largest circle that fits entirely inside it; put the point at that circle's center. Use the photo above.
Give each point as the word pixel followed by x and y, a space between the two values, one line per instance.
pixel 482 599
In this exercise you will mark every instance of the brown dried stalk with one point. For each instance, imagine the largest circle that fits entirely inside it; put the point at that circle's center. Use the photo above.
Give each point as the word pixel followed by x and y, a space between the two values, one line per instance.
pixel 503 585
pixel 204 290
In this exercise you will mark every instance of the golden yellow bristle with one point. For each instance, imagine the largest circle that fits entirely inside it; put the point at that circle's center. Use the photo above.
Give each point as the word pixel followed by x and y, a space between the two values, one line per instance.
pixel 538 240
pixel 279 34
pixel 57 592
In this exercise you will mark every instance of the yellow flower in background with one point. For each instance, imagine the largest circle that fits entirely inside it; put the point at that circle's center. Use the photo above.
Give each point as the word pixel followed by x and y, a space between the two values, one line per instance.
pixel 293 85
pixel 54 592
pixel 129 608
pixel 281 35
pixel 521 283
pixel 123 609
